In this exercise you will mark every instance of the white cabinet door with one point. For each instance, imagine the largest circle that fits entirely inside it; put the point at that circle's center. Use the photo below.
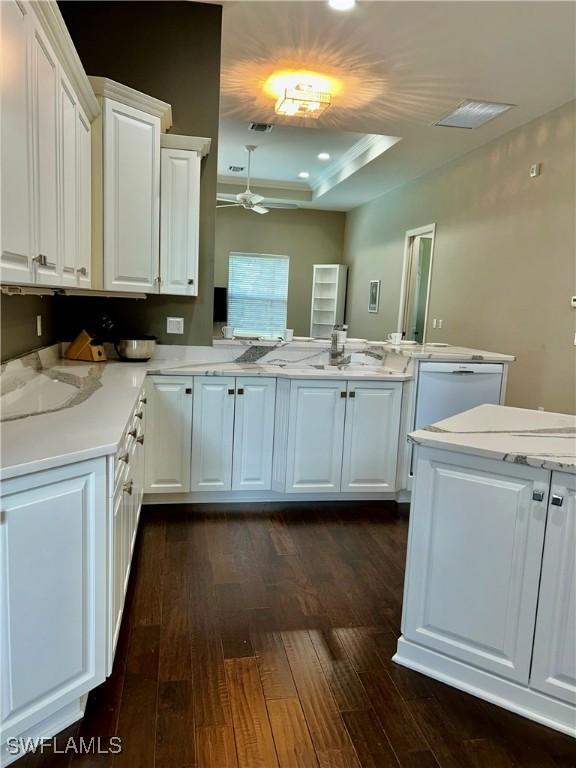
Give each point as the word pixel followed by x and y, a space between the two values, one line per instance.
pixel 554 661
pixel 84 229
pixel 253 434
pixel 131 198
pixel 17 228
pixel 68 186
pixel 179 219
pixel 213 424
pixel 371 436
pixel 53 597
pixel 315 436
pixel 169 427
pixel 474 557
pixel 45 135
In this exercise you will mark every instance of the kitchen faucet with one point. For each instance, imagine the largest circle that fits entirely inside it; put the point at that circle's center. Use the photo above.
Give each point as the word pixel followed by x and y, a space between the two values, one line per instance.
pixel 337 345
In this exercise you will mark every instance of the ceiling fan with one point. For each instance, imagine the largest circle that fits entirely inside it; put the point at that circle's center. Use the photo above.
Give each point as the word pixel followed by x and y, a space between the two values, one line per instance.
pixel 249 200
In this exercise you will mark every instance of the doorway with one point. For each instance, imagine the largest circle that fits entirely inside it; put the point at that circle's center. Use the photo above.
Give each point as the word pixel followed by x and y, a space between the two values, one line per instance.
pixel 416 279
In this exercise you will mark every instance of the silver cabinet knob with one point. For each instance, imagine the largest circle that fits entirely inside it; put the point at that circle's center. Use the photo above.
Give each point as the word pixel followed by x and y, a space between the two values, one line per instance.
pixel 140 439
pixel 127 487
pixel 125 458
pixel 556 500
pixel 138 415
pixel 538 496
pixel 82 271
pixel 133 433
pixel 190 281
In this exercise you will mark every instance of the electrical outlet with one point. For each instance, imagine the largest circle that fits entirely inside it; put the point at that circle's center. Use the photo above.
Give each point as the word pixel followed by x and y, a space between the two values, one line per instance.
pixel 39 325
pixel 175 325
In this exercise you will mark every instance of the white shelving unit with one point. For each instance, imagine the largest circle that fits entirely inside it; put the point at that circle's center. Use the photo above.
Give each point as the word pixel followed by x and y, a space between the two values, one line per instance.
pixel 328 297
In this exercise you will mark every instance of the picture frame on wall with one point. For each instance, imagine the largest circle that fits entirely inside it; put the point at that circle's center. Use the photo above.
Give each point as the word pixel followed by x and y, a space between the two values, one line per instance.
pixel 374 296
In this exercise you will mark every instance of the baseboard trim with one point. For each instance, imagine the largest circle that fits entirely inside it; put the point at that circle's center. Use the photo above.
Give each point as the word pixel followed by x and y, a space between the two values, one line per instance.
pixel 247 497
pixel 484 685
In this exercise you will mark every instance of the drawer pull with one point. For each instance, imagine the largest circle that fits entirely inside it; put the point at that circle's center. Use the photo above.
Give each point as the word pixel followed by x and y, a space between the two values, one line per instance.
pixel 125 457
pixel 538 496
pixel 127 487
pixel 140 439
pixel 556 500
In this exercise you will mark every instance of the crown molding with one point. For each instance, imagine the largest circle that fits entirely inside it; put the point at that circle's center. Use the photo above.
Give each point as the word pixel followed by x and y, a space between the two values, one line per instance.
pixel 52 23
pixel 105 88
pixel 192 143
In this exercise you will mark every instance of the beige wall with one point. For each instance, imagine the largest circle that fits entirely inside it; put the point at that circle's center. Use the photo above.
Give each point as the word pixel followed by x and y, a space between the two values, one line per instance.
pixel 308 237
pixel 504 258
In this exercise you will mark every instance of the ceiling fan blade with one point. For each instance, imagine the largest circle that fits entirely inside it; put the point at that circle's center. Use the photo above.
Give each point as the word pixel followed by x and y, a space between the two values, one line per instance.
pixel 228 199
pixel 231 205
pixel 259 209
pixel 282 206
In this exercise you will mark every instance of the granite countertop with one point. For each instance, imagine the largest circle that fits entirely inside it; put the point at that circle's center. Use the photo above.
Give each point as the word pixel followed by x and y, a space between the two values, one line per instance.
pixel 517 435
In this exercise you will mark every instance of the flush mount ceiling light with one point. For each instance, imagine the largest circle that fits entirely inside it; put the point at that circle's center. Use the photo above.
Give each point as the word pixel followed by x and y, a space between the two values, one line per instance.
pixel 301 92
pixel 324 156
pixel 303 175
pixel 473 114
pixel 342 5
pixel 302 101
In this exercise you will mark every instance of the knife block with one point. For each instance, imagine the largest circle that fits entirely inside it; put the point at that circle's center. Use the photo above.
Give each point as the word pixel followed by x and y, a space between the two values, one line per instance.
pixel 83 348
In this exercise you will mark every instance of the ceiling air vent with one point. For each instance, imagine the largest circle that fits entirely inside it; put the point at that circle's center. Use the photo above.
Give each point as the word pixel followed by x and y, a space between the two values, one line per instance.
pixel 473 114
pixel 260 127
pixel 236 168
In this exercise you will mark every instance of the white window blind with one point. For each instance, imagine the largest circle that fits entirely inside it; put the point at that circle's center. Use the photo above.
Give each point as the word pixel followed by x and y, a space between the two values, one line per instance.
pixel 258 293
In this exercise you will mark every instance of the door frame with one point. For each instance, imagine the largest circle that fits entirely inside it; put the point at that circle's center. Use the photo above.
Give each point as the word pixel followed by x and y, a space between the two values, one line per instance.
pixel 429 229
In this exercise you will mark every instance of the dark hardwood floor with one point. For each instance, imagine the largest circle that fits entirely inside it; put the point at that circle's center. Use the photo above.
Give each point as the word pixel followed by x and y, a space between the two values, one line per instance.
pixel 261 636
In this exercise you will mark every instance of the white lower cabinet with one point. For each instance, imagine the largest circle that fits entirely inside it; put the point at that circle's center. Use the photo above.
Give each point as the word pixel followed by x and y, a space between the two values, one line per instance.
pixel 315 436
pixel 169 436
pixel 253 434
pixel 53 596
pixel 474 558
pixel 212 433
pixel 554 662
pixel 371 436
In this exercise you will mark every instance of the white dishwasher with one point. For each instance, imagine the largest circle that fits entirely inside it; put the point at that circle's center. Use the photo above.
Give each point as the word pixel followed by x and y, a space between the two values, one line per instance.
pixel 445 389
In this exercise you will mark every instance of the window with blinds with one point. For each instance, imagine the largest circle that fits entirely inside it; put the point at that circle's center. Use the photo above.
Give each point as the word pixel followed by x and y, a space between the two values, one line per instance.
pixel 258 293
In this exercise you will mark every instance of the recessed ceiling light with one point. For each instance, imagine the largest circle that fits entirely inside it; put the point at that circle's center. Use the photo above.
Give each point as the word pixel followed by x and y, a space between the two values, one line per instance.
pixel 473 114
pixel 324 156
pixel 342 5
pixel 303 175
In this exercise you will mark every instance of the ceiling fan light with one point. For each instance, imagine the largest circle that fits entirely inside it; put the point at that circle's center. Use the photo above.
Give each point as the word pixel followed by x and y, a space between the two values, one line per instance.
pixel 324 156
pixel 342 5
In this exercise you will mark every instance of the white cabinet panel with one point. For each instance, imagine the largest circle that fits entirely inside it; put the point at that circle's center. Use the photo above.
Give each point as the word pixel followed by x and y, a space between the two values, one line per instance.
pixel 45 120
pixel 169 434
pixel 212 433
pixel 68 180
pixel 179 212
pixel 17 214
pixel 131 198
pixel 84 231
pixel 53 539
pixel 253 434
pixel 554 662
pixel 474 556
pixel 371 436
pixel 315 436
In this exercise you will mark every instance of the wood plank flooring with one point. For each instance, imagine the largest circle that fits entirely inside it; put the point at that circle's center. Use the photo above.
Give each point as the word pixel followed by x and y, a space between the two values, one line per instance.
pixel 260 636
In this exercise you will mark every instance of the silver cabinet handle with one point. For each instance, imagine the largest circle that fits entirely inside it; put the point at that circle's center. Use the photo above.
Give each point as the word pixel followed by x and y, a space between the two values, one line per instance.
pixel 140 439
pixel 127 487
pixel 125 457
pixel 42 261
pixel 82 271
pixel 463 373
pixel 538 496
pixel 556 500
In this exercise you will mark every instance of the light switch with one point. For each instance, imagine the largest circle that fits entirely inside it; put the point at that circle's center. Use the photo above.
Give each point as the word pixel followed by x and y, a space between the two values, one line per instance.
pixel 174 325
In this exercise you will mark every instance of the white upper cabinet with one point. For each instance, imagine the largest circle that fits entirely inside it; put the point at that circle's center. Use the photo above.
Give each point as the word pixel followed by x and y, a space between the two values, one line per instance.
pixel 371 436
pixel 45 214
pixel 253 434
pixel 474 559
pixel 45 120
pixel 131 161
pixel 167 454
pixel 554 661
pixel 179 221
pixel 212 433
pixel 315 436
pixel 17 227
